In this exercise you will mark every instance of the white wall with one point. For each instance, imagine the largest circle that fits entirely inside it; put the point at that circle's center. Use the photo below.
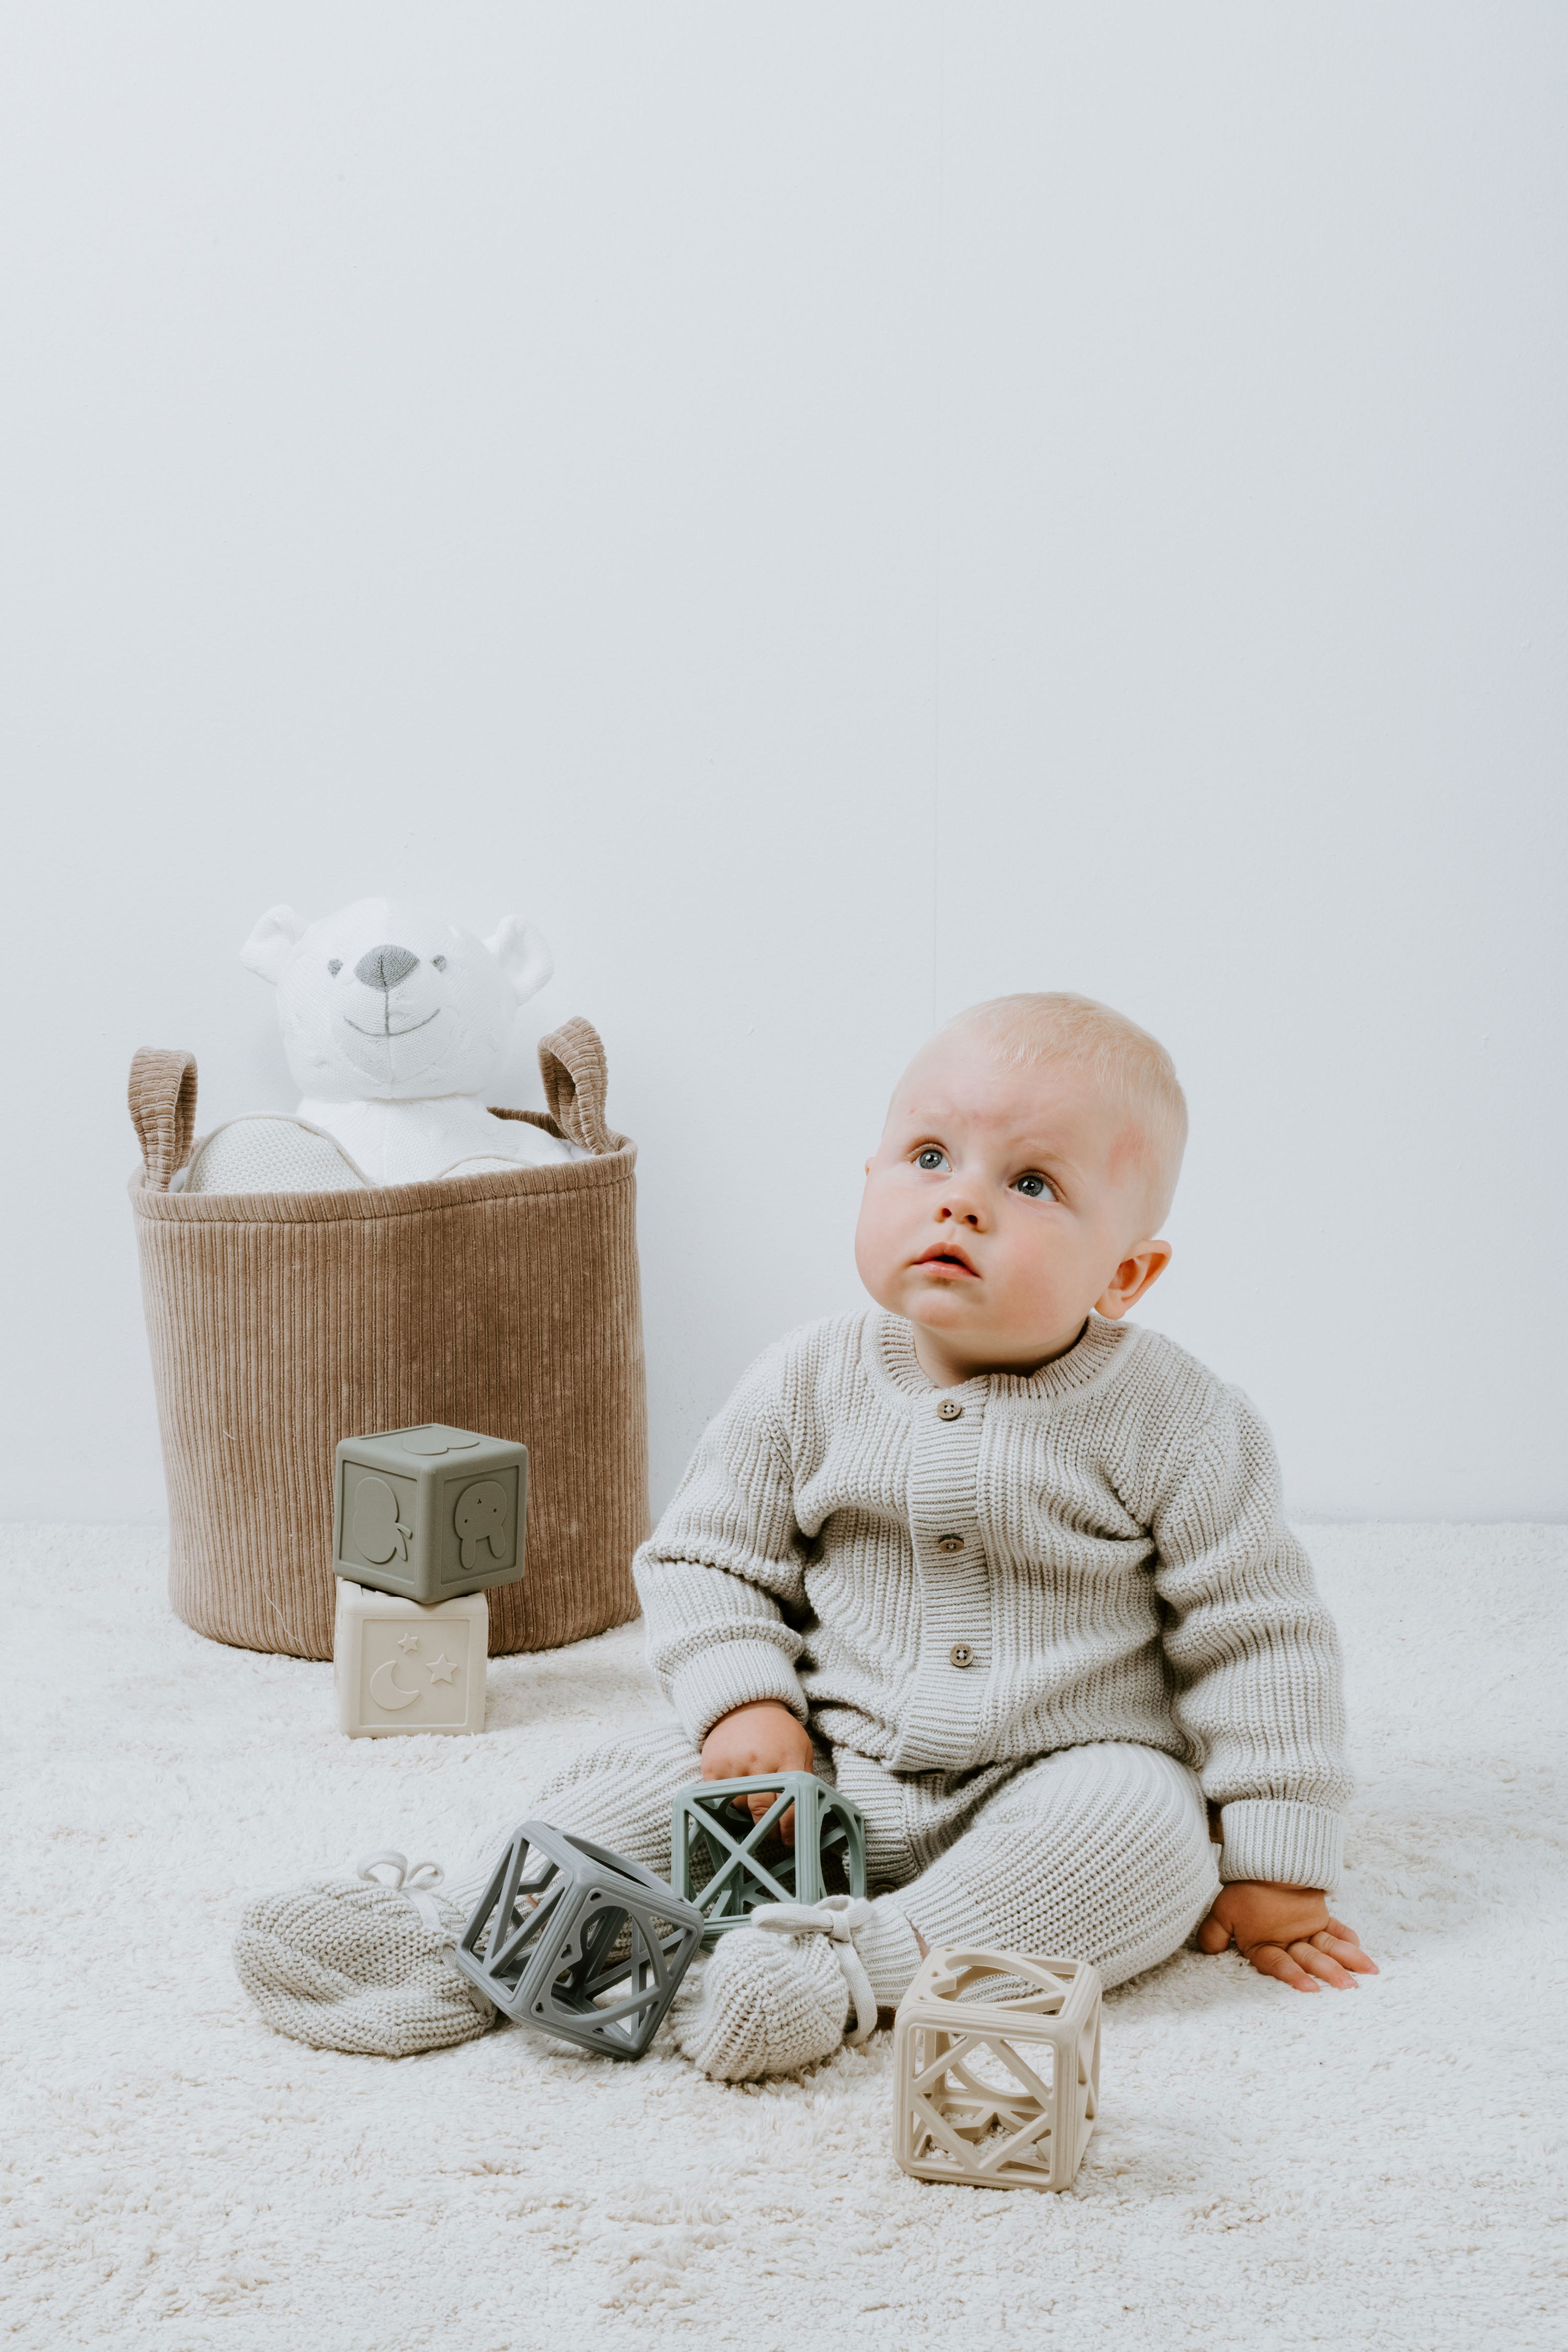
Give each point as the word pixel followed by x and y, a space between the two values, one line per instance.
pixel 833 511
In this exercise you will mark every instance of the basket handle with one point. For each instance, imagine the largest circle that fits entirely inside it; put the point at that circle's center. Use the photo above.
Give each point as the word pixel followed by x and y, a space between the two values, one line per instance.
pixel 571 1064
pixel 162 1097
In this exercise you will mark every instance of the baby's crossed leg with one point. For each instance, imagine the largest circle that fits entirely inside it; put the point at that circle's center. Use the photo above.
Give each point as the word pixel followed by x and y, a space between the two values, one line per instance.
pixel 623 1795
pixel 1098 1853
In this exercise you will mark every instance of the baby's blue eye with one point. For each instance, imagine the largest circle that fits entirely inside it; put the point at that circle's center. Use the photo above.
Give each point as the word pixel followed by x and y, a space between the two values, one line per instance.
pixel 930 1160
pixel 1035 1187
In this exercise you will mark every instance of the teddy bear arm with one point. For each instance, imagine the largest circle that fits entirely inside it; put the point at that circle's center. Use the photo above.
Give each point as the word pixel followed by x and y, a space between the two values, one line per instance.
pixel 270 1154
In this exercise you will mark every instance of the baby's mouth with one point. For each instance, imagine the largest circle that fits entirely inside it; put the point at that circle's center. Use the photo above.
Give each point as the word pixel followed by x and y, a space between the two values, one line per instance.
pixel 946 1260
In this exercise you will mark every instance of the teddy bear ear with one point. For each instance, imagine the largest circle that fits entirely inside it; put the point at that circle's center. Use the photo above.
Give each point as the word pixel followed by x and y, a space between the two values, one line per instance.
pixel 522 955
pixel 273 941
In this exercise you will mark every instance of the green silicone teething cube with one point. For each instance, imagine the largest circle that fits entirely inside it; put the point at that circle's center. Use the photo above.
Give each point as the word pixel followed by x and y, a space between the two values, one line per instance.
pixel 726 1864
pixel 429 1513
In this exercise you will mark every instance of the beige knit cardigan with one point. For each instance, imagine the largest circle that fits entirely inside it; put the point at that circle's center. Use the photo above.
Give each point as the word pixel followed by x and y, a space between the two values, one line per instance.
pixel 948 1578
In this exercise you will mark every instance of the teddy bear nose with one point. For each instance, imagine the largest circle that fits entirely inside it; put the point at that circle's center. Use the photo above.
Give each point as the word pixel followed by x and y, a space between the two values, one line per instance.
pixel 384 966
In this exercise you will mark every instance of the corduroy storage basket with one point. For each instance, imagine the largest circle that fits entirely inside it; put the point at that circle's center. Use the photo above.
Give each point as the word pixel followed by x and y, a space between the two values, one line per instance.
pixel 280 1322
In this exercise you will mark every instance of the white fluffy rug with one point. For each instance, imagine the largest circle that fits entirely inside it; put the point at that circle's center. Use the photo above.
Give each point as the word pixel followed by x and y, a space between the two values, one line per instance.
pixel 1370 2169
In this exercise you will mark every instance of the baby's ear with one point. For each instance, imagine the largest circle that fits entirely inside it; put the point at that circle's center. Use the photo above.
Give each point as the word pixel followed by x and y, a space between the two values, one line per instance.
pixel 522 955
pixel 273 941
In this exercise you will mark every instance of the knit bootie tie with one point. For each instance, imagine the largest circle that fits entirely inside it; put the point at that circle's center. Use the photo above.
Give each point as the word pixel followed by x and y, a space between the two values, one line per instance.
pixel 776 1994
pixel 360 1963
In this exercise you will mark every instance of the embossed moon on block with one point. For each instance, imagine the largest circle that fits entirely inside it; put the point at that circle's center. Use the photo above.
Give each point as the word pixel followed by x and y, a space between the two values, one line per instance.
pixel 399 1667
pixel 996 2070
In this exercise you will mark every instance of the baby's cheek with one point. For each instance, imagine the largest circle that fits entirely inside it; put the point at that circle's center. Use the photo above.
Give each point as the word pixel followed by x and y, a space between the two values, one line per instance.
pixel 1041 1281
pixel 874 1255
pixel 1031 1287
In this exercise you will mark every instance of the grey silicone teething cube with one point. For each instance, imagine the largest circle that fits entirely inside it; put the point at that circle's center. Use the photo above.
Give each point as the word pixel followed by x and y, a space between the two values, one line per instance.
pixel 430 1512
pixel 726 1864
pixel 577 1941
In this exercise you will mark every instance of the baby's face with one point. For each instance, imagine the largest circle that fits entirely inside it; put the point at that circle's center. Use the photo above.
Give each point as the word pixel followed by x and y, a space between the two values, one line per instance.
pixel 1002 1205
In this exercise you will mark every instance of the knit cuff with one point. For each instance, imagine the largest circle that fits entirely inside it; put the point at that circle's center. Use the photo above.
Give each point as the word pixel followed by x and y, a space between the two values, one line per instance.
pixel 730 1675
pixel 886 1945
pixel 1284 1843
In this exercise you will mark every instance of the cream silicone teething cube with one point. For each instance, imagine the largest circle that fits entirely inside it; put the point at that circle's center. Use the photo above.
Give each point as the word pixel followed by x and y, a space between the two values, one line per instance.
pixel 996 2070
pixel 399 1665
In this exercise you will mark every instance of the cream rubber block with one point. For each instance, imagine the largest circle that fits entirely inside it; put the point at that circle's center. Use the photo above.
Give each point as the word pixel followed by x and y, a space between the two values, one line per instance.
pixel 996 2070
pixel 404 1665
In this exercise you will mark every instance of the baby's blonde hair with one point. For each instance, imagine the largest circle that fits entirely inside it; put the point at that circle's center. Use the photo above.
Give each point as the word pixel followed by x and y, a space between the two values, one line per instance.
pixel 1132 1066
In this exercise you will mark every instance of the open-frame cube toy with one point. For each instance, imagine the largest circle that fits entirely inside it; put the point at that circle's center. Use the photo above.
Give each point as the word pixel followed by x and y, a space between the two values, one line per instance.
pixel 996 2070
pixel 579 1942
pixel 429 1512
pixel 727 1864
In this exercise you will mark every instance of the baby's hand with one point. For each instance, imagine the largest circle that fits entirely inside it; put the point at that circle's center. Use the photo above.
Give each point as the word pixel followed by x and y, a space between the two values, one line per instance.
pixel 1285 1932
pixel 762 1737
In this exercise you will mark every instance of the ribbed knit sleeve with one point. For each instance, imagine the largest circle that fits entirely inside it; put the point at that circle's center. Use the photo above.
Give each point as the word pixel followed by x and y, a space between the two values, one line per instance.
pixel 725 1556
pixel 1255 1656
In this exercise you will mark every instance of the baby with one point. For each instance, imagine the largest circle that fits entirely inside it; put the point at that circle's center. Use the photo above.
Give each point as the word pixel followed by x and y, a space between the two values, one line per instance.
pixel 1006 1567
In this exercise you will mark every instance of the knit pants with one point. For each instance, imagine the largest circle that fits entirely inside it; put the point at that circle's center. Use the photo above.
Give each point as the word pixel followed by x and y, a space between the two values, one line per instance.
pixel 1098 1853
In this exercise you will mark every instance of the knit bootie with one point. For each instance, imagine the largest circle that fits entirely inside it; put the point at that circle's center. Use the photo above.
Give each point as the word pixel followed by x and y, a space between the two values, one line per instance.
pixel 777 1995
pixel 360 1963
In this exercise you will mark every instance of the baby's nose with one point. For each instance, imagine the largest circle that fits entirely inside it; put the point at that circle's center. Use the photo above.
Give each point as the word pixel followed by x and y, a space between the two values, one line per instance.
pixel 384 966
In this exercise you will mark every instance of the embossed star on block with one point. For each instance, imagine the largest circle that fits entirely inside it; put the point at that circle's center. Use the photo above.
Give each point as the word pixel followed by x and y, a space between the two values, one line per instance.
pixel 385 1685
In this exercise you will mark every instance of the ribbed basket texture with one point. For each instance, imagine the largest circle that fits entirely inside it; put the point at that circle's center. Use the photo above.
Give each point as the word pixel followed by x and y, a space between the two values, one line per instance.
pixel 280 1322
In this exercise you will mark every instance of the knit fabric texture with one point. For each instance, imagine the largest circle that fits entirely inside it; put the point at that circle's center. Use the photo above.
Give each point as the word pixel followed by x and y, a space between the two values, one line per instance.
pixel 345 1964
pixel 1098 1853
pixel 947 1580
pixel 763 2004
pixel 280 1322
pixel 261 1154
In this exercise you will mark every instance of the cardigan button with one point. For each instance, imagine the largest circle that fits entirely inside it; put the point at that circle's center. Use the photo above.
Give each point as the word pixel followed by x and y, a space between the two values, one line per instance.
pixel 948 1411
pixel 949 1543
pixel 962 1654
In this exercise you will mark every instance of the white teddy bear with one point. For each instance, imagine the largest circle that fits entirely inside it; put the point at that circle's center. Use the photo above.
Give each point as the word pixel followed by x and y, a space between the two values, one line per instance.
pixel 393 1020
